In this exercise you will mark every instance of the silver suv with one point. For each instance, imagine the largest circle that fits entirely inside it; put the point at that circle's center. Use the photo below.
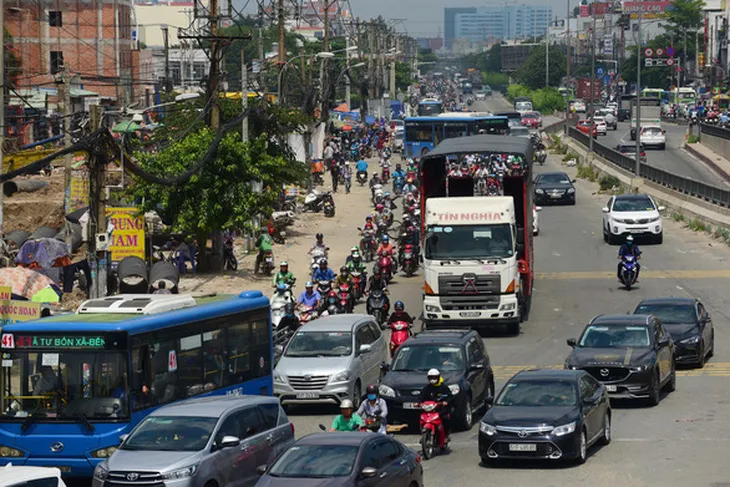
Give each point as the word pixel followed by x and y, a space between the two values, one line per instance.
pixel 330 359
pixel 218 440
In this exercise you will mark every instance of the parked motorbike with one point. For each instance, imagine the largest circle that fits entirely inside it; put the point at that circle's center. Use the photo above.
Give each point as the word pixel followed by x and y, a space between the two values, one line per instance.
pixel 314 201
pixel 628 271
pixel 433 434
pixel 399 333
pixel 408 263
pixel 267 263
pixel 362 177
pixel 378 306
pixel 328 206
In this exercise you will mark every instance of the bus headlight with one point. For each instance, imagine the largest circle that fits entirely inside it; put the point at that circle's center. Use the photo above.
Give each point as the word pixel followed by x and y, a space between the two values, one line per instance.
pixel 104 452
pixel 6 451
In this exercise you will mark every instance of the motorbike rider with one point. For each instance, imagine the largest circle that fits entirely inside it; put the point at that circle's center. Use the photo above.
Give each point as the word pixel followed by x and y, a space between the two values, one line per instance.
pixel 375 180
pixel 309 297
pixel 361 167
pixel 374 407
pixel 264 244
pixel 346 173
pixel 290 321
pixel 410 187
pixel 319 245
pixel 438 391
pixel 399 314
pixel 354 260
pixel 409 236
pixel 323 273
pixel 369 225
pixel 399 173
pixel 376 282
pixel 499 166
pixel 629 248
pixel 347 420
pixel 283 276
pixel 344 278
pixel 387 246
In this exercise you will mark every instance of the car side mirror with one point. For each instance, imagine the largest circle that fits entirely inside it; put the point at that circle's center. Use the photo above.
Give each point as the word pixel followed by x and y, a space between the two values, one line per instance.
pixel 664 342
pixel 368 472
pixel 122 438
pixel 279 348
pixel 229 441
pixel 364 348
pixel 571 342
pixel 384 367
pixel 661 208
pixel 261 469
pixel 604 209
pixel 489 401
pixel 538 208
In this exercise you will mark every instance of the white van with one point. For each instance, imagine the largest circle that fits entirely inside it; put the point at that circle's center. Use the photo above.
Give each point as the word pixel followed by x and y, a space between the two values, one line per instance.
pixel 11 476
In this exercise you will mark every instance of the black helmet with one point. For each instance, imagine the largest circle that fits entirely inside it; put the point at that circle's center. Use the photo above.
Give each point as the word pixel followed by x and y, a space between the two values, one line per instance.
pixel 372 389
pixel 343 269
pixel 319 236
pixel 399 306
pixel 377 272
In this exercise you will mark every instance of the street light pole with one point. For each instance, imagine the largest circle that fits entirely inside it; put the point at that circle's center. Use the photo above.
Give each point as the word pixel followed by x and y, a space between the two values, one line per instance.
pixel 567 77
pixel 637 166
pixel 547 47
pixel 593 79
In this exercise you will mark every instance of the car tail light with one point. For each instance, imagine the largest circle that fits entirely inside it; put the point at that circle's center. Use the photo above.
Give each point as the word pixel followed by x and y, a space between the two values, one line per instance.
pixel 642 154
pixel 418 458
pixel 291 425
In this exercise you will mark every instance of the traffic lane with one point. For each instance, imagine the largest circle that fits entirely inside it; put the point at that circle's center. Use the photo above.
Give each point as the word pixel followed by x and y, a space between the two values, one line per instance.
pixel 673 159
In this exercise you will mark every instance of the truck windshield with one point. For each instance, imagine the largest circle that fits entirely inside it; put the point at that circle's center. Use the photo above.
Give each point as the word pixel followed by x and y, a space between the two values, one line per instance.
pixel 64 385
pixel 469 242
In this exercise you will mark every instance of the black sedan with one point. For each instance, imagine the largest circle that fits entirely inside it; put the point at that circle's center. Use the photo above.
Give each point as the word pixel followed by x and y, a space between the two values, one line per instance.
pixel 554 187
pixel 546 414
pixel 632 355
pixel 344 459
pixel 689 323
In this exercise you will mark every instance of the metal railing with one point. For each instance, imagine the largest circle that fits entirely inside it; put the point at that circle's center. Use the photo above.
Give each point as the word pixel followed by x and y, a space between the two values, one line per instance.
pixel 688 186
pixel 715 131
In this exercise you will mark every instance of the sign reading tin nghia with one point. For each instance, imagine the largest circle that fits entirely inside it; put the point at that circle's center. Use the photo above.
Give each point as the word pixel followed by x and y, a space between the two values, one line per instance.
pixel 128 233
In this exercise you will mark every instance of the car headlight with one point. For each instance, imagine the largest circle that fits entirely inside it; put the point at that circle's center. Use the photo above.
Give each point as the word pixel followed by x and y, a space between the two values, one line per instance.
pixel 618 220
pixel 564 429
pixel 104 452
pixel 487 429
pixel 571 367
pixel 639 368
pixel 690 341
pixel 386 391
pixel 101 471
pixel 539 191
pixel 181 473
pixel 279 378
pixel 432 309
pixel 343 376
pixel 655 219
pixel 571 190
pixel 455 389
pixel 6 451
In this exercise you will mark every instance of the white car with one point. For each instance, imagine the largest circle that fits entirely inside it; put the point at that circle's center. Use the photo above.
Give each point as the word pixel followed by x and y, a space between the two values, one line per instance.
pixel 609 117
pixel 579 105
pixel 536 219
pixel 16 476
pixel 481 95
pixel 632 214
pixel 653 136
pixel 601 126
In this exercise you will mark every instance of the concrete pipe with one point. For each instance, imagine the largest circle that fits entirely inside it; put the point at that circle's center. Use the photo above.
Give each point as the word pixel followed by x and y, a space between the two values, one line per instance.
pixel 12 187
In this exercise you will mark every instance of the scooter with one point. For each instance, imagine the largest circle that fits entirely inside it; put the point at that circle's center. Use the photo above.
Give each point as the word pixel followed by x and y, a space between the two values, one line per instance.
pixel 324 288
pixel 409 264
pixel 493 187
pixel 386 173
pixel 314 201
pixel 433 434
pixel 480 188
pixel 331 305
pixel 267 263
pixel 628 271
pixel 282 296
pixel 398 183
pixel 362 178
pixel 541 156
pixel 344 303
pixel 399 333
pixel 317 255
pixel 385 263
pixel 378 306
pixel 359 279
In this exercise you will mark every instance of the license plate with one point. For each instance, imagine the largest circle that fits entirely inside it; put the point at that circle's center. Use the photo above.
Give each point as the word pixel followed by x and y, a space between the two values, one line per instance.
pixel 611 388
pixel 410 405
pixel 638 230
pixel 469 314
pixel 556 196
pixel 307 395
pixel 522 447
pixel 408 255
pixel 62 468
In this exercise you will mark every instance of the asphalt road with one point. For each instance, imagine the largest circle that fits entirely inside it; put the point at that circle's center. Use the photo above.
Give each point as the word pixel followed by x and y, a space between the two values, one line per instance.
pixel 683 440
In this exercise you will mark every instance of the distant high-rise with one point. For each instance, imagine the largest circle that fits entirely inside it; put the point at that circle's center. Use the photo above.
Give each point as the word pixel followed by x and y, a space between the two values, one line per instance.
pixel 450 22
pixel 489 24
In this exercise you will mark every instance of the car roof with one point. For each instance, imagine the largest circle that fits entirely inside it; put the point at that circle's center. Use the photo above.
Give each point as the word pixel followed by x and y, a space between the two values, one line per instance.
pixel 341 322
pixel 669 300
pixel 442 336
pixel 211 406
pixel 547 374
pixel 621 320
pixel 354 438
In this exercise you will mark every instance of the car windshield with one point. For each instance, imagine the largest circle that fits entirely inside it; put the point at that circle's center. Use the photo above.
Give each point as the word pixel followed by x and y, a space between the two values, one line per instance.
pixel 554 179
pixel 315 461
pixel 171 433
pixel 532 393
pixel 529 115
pixel 615 336
pixel 320 344
pixel 636 203
pixel 469 242
pixel 520 131
pixel 627 148
pixel 599 120
pixel 670 314
pixel 424 357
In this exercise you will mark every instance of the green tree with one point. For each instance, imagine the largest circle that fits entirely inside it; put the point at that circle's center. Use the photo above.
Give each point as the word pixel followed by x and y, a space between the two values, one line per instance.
pixel 683 20
pixel 494 59
pixel 532 73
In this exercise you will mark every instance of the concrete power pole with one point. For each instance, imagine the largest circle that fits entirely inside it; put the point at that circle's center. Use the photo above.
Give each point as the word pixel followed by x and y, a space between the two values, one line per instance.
pixel 593 78
pixel 2 109
pixel 637 167
pixel 569 86
pixel 282 48
pixel 392 69
pixel 67 159
pixel 348 93
pixel 213 81
pixel 244 98
pixel 260 46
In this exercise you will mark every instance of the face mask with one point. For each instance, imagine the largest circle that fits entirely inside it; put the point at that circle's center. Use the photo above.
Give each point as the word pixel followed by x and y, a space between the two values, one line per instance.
pixel 372 397
pixel 433 381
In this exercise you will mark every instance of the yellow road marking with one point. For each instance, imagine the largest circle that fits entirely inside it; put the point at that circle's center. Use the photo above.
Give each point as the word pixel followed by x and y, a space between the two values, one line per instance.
pixel 715 369
pixel 646 274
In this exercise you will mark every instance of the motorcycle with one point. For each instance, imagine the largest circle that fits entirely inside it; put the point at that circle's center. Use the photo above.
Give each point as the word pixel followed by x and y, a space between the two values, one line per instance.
pixel 386 174
pixel 378 306
pixel 409 263
pixel 267 263
pixel 229 260
pixel 480 187
pixel 515 168
pixel 307 314
pixel 493 186
pixel 344 303
pixel 329 207
pixel 541 156
pixel 359 279
pixel 398 183
pixel 433 434
pixel 362 177
pixel 314 201
pixel 281 220
pixel 385 264
pixel 318 178
pixel 367 245
pixel 324 288
pixel 317 255
pixel 282 296
pixel 628 271
pixel 400 331
pixel 331 305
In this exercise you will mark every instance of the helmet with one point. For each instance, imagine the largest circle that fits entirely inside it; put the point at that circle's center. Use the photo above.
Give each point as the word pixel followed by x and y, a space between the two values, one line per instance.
pixel 319 236
pixel 397 166
pixel 354 248
pixel 283 263
pixel 372 389
pixel 377 272
pixel 347 404
pixel 309 285
pixel 347 163
pixel 369 217
pixel 399 306
pixel 433 376
pixel 281 286
pixel 630 239
pixel 375 174
pixel 380 207
pixel 322 261
pixel 385 239
pixel 386 195
pixel 344 269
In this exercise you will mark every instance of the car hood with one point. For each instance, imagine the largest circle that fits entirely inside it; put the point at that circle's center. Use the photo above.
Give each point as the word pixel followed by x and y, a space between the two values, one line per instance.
pixel 551 186
pixel 635 215
pixel 312 365
pixel 268 481
pixel 151 460
pixel 681 330
pixel 517 416
pixel 618 357
pixel 416 379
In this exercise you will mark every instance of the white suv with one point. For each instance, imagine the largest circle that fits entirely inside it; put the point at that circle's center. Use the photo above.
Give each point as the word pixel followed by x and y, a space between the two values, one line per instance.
pixel 632 214
pixel 653 136
pixel 601 126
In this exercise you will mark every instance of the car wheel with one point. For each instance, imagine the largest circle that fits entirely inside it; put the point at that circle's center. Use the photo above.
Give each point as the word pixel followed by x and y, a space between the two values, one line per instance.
pixel 671 384
pixel 488 462
pixel 606 436
pixel 653 399
pixel 490 390
pixel 711 352
pixel 612 239
pixel 702 357
pixel 582 448
pixel 356 395
pixel 659 239
pixel 466 416
pixel 605 235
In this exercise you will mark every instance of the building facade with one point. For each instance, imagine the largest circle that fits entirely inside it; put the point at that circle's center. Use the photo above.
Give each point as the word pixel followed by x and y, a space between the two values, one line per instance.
pixel 491 24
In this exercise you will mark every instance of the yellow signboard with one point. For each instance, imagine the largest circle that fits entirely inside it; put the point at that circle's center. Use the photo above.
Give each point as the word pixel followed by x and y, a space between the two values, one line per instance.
pixel 16 311
pixel 6 293
pixel 128 234
pixel 79 191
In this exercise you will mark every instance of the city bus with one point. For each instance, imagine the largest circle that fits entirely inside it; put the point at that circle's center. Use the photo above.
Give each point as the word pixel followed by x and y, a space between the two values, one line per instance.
pixel 71 384
pixel 685 98
pixel 429 106
pixel 652 93
pixel 422 134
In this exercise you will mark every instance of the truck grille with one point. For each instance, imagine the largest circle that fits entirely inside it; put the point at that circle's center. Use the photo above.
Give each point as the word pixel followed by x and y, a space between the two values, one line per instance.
pixel 608 374
pixel 308 382
pixel 470 284
pixel 466 303
pixel 135 479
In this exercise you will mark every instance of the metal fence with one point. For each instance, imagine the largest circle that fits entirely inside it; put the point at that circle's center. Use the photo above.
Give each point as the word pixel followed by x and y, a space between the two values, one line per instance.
pixel 713 194
pixel 714 130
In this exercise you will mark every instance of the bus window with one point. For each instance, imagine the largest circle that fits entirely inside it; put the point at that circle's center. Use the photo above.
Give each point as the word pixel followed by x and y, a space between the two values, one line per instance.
pixel 190 366
pixel 260 350
pixel 452 130
pixel 213 360
pixel 419 132
pixel 239 363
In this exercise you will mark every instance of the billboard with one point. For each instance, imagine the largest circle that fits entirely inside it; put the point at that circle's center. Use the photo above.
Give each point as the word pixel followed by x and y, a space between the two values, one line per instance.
pixel 650 10
pixel 128 233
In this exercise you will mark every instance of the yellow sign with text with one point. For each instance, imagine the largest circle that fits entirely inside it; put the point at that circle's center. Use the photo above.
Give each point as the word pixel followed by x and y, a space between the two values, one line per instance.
pixel 6 293
pixel 16 311
pixel 127 237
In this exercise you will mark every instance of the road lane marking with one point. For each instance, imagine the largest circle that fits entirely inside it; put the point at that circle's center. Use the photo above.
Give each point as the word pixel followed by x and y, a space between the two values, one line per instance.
pixel 646 274
pixel 715 369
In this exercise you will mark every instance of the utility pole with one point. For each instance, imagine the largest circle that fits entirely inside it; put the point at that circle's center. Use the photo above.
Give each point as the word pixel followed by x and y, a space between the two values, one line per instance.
pixel 323 91
pixel 282 48
pixel 260 41
pixel 637 166
pixel 244 98
pixel 347 73
pixel 371 60
pixel 593 78
pixel 215 114
pixel 97 211
pixel 67 159
pixel 547 48
pixel 2 109
pixel 567 98
pixel 166 44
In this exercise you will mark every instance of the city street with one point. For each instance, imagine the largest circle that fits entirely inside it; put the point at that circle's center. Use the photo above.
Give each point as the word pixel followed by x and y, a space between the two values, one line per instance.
pixel 683 439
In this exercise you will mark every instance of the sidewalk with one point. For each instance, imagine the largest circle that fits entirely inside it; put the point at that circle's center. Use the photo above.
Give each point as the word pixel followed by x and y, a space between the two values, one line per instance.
pixel 718 163
pixel 340 234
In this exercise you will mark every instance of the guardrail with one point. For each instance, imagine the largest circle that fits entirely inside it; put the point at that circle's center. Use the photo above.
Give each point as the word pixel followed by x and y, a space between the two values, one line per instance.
pixel 713 194
pixel 714 130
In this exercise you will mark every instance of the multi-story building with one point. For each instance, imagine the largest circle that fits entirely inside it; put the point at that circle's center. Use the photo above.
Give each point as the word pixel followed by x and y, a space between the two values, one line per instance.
pixel 489 24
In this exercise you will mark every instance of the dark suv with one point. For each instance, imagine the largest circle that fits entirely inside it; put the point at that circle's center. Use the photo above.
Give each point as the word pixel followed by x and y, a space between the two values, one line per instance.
pixel 464 364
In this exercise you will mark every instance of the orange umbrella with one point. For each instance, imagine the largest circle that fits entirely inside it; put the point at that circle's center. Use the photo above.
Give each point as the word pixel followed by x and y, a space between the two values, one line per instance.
pixel 347 128
pixel 23 281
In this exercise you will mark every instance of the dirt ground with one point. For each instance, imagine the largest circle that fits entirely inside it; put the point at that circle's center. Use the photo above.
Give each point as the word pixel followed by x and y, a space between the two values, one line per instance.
pixel 28 211
pixel 340 234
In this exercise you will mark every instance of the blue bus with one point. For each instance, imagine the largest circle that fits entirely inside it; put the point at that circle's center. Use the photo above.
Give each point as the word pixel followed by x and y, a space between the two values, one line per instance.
pixel 71 384
pixel 429 106
pixel 422 134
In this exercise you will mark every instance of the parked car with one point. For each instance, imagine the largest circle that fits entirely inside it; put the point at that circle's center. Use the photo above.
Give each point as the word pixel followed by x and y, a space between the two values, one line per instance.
pixel 546 414
pixel 585 127
pixel 345 460
pixel 464 364
pixel 200 442
pixel 689 324
pixel 21 476
pixel 554 187
pixel 629 150
pixel 330 359
pixel 632 214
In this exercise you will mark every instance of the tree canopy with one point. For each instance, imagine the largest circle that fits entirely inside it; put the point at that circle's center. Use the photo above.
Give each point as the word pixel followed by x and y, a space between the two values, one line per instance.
pixel 532 73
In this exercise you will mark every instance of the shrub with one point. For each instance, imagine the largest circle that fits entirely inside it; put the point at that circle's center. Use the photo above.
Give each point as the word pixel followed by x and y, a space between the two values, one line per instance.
pixel 607 182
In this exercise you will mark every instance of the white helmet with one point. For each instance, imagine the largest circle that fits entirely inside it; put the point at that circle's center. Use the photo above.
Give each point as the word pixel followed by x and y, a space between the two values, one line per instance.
pixel 433 376
pixel 630 238
pixel 347 404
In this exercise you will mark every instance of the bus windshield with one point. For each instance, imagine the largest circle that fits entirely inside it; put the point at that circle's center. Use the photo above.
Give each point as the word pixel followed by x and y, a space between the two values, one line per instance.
pixel 62 385
pixel 469 242
pixel 431 108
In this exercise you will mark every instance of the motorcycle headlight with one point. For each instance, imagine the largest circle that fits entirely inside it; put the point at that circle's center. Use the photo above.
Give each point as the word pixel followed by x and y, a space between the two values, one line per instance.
pixel 690 341
pixel 455 389
pixel 279 378
pixel 101 471
pixel 639 368
pixel 564 429
pixel 104 452
pixel 181 473
pixel 539 191
pixel 6 451
pixel 386 391
pixel 487 429
pixel 571 367
pixel 343 376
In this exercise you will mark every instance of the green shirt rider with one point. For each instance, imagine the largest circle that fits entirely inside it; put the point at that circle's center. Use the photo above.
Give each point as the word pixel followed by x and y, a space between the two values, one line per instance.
pixel 354 262
pixel 264 243
pixel 283 276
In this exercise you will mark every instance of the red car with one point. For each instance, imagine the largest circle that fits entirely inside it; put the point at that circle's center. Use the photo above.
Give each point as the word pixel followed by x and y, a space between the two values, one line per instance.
pixel 585 127
pixel 530 120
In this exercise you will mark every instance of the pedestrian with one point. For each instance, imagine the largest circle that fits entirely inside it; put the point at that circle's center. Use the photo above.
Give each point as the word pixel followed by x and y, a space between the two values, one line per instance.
pixel 329 152
pixel 335 172
pixel 347 176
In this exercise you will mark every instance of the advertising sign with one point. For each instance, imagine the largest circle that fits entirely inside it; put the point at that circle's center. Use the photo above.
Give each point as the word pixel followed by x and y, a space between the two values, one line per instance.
pixel 79 191
pixel 128 233
pixel 17 311
pixel 650 10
